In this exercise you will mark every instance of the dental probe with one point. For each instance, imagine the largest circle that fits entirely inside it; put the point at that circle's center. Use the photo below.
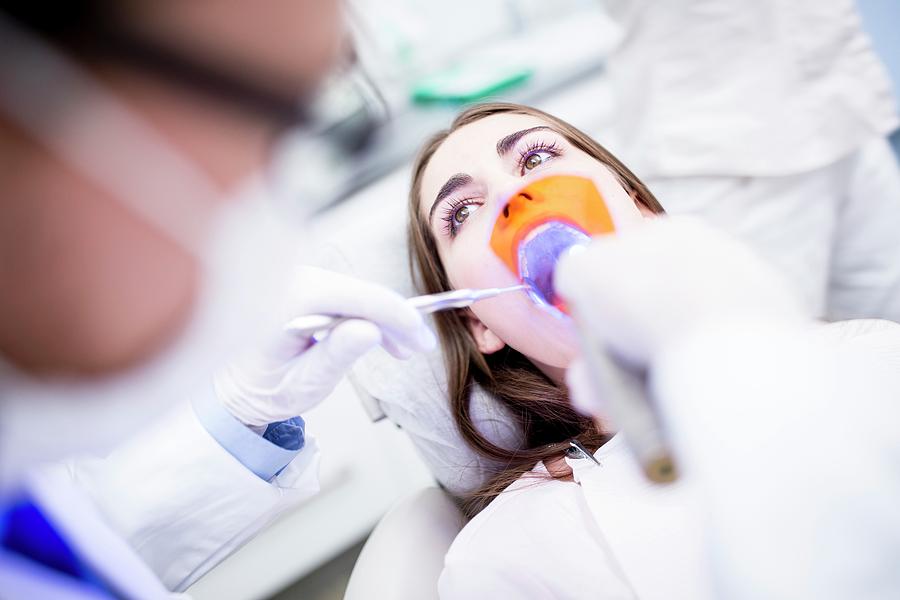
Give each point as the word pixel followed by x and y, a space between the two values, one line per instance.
pixel 317 324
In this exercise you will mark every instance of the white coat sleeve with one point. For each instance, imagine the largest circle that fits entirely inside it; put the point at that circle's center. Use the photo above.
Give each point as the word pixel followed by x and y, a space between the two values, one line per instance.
pixel 181 501
pixel 794 438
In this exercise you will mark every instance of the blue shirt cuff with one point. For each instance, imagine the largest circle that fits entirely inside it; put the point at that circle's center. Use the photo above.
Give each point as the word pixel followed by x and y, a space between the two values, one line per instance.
pixel 267 454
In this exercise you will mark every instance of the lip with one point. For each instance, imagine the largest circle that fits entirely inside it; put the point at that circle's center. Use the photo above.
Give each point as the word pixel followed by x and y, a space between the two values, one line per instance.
pixel 538 252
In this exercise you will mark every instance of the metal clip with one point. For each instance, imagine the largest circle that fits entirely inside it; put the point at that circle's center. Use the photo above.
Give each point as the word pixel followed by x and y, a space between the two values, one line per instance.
pixel 577 450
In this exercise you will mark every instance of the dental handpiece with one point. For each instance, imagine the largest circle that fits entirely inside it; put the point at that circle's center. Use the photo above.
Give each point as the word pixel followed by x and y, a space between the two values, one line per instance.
pixel 626 398
pixel 310 326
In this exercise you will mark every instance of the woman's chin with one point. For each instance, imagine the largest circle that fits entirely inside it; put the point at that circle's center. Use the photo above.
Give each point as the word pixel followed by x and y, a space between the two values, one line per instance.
pixel 552 340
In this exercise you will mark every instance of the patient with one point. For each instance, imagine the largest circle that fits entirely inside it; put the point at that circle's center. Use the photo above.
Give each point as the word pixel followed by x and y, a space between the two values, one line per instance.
pixel 515 349
pixel 557 523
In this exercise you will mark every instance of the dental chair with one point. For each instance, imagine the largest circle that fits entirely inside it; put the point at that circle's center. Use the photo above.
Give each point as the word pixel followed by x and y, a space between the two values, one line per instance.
pixel 404 555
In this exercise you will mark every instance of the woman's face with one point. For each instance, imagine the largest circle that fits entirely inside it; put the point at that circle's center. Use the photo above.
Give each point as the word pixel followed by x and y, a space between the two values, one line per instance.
pixel 466 185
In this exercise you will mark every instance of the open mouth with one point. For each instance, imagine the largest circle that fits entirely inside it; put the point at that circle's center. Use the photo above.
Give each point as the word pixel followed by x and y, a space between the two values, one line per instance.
pixel 538 253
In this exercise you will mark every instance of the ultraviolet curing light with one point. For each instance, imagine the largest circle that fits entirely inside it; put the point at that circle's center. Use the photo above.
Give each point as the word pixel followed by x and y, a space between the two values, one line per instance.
pixel 540 223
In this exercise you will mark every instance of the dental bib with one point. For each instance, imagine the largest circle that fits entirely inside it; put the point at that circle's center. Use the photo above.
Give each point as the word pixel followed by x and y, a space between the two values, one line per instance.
pixel 540 223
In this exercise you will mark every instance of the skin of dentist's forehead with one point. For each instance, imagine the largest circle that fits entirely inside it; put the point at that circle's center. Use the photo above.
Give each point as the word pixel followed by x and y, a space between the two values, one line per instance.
pixel 75 264
pixel 285 45
pixel 475 170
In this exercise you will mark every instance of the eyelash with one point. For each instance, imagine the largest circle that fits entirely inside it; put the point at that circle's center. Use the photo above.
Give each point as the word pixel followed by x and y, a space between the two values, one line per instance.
pixel 450 211
pixel 539 146
pixel 450 228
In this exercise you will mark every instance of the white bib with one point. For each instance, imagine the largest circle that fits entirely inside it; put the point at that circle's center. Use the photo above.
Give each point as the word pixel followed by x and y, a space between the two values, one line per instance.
pixel 654 531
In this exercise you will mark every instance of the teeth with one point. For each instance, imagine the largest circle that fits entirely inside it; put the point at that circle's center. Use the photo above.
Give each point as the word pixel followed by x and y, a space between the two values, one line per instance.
pixel 538 254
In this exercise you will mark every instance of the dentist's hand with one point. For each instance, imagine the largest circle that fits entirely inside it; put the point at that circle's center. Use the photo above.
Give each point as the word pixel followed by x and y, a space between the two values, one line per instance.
pixel 294 374
pixel 645 289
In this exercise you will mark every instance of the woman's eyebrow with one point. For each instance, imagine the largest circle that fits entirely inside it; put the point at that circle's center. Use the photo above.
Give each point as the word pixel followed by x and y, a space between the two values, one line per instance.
pixel 506 144
pixel 454 183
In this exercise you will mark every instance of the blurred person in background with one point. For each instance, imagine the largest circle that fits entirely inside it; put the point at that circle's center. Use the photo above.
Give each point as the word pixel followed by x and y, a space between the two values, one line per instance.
pixel 769 119
pixel 138 252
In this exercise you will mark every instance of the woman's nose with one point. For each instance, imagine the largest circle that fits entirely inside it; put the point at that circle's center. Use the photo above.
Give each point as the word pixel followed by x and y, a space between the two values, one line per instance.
pixel 517 204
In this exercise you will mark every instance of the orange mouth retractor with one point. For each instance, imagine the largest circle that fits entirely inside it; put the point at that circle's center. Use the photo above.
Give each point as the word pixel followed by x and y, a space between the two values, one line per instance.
pixel 542 221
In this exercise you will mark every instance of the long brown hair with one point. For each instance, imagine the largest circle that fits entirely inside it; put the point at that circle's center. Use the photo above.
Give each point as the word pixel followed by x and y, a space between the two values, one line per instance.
pixel 541 408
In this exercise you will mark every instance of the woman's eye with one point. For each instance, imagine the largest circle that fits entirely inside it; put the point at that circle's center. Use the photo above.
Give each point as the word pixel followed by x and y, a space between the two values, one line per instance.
pixel 536 158
pixel 463 212
pixel 457 214
pixel 534 161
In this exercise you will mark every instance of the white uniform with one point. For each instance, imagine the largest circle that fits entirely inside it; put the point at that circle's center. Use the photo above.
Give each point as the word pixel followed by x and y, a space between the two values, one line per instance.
pixel 824 521
pixel 609 534
pixel 173 513
pixel 769 118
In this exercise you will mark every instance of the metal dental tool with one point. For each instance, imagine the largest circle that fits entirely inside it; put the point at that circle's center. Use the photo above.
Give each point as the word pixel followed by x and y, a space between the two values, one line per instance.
pixel 312 325
pixel 577 450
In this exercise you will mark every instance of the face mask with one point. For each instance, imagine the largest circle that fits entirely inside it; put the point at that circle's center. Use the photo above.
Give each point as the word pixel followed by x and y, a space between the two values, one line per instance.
pixel 540 223
pixel 244 254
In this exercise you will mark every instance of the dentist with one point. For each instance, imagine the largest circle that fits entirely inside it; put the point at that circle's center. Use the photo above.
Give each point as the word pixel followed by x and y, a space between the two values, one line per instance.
pixel 784 429
pixel 139 253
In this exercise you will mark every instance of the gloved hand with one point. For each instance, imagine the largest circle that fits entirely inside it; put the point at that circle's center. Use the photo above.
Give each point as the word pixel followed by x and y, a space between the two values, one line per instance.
pixel 644 289
pixel 294 374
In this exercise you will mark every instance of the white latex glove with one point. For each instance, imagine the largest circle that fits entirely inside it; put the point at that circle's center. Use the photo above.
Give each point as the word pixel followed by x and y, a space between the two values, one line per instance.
pixel 644 289
pixel 294 374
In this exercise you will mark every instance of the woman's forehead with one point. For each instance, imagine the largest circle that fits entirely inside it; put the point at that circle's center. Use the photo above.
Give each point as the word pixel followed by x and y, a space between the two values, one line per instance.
pixel 471 147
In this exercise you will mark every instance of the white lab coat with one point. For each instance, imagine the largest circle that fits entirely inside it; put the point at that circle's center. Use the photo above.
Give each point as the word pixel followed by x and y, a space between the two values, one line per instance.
pixel 729 87
pixel 831 231
pixel 768 118
pixel 788 490
pixel 163 508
